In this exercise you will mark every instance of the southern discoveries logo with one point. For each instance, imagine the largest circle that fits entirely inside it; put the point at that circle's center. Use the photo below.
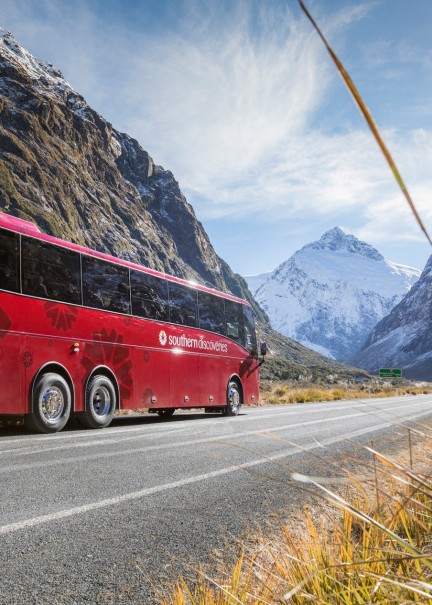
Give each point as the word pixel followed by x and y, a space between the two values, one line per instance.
pixel 192 343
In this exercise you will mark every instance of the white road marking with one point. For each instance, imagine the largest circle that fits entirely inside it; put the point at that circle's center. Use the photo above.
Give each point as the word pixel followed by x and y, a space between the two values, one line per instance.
pixel 190 442
pixel 258 414
pixel 78 510
pixel 94 442
pixel 109 436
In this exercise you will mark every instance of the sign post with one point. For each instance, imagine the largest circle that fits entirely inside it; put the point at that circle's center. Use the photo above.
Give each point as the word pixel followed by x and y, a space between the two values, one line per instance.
pixel 390 373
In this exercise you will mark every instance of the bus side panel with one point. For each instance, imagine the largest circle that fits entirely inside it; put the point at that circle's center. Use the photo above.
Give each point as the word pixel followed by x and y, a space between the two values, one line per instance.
pixel 152 368
pixel 10 357
pixel 185 382
pixel 11 400
pixel 209 378
pixel 249 374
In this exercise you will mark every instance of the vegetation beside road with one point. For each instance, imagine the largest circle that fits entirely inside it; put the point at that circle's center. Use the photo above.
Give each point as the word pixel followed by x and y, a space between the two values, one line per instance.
pixel 377 550
pixel 273 393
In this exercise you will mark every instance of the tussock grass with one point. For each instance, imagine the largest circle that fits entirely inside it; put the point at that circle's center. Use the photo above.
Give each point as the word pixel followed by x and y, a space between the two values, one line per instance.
pixel 378 549
pixel 281 393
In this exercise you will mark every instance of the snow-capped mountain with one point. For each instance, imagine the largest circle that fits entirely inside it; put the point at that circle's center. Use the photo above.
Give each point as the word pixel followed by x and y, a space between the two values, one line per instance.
pixel 403 339
pixel 331 293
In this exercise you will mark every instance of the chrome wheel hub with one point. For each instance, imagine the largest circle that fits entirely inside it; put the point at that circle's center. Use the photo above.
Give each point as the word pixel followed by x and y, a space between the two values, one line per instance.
pixel 234 399
pixel 52 404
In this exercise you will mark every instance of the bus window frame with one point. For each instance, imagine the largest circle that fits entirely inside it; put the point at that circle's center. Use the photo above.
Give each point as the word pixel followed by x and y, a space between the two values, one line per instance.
pixel 241 341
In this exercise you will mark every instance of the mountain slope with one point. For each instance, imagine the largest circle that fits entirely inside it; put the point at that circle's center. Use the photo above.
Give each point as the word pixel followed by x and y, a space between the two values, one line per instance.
pixel 254 282
pixel 403 339
pixel 331 293
pixel 67 169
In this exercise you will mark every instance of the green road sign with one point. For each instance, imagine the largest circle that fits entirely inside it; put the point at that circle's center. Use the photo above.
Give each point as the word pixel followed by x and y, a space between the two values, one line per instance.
pixel 390 373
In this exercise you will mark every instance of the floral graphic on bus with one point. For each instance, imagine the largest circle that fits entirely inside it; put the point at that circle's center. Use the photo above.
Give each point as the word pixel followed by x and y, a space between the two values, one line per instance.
pixel 147 396
pixel 5 323
pixel 108 350
pixel 163 337
pixel 27 359
pixel 61 317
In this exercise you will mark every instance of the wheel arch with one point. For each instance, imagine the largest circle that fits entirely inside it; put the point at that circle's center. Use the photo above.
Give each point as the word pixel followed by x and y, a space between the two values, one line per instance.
pixel 57 368
pixel 236 378
pixel 105 371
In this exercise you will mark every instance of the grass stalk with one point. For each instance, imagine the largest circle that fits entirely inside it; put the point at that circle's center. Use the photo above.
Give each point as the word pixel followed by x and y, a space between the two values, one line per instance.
pixel 368 554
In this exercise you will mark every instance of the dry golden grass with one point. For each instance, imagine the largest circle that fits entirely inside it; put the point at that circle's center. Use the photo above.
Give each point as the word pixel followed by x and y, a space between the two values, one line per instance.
pixel 274 393
pixel 378 549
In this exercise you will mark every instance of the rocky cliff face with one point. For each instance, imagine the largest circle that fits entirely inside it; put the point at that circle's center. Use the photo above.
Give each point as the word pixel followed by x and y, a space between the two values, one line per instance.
pixel 331 293
pixel 67 169
pixel 403 339
pixel 64 167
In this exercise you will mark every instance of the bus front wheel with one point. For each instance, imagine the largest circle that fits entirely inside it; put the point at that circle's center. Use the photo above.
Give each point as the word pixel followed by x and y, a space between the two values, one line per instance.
pixel 51 404
pixel 100 403
pixel 234 399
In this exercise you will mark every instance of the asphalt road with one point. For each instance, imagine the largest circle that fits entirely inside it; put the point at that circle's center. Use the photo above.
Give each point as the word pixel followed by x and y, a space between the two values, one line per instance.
pixel 110 516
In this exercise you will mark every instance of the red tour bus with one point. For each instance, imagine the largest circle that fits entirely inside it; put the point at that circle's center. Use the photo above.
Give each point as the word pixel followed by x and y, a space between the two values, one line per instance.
pixel 83 333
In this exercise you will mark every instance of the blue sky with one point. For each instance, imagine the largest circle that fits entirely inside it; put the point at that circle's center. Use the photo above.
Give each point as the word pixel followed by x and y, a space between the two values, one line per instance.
pixel 239 99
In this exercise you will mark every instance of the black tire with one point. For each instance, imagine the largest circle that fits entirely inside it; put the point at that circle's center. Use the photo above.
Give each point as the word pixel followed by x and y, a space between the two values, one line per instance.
pixel 100 403
pixel 166 413
pixel 234 399
pixel 51 404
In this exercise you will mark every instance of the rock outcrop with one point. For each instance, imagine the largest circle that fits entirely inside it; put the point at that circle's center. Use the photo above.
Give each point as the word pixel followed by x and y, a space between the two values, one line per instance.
pixel 403 339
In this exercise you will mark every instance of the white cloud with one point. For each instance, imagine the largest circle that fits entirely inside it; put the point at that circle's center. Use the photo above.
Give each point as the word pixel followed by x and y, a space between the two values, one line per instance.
pixel 217 102
pixel 229 100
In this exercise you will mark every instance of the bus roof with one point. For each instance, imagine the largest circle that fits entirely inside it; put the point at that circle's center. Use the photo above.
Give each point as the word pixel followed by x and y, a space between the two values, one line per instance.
pixel 28 228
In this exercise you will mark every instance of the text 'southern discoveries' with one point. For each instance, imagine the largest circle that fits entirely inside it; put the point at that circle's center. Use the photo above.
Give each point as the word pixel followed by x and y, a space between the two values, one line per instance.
pixel 197 343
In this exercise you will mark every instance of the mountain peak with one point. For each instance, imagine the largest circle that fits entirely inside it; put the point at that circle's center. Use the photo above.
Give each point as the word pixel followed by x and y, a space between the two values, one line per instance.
pixel 330 294
pixel 37 67
pixel 337 240
pixel 46 79
pixel 334 233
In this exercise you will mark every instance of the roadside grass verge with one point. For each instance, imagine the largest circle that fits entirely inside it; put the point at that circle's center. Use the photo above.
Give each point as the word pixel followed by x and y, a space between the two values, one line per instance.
pixel 273 393
pixel 376 549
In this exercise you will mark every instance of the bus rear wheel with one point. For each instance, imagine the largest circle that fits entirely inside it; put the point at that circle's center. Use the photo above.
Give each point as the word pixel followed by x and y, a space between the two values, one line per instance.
pixel 100 403
pixel 51 404
pixel 234 399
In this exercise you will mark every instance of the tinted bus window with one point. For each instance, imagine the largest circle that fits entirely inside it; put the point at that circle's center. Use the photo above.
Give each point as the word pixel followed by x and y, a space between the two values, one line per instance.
pixel 9 261
pixel 49 271
pixel 183 305
pixel 149 296
pixel 234 321
pixel 105 285
pixel 250 341
pixel 211 313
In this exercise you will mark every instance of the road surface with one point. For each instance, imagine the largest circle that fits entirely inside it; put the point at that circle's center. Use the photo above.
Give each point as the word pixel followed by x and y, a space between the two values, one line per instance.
pixel 109 516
